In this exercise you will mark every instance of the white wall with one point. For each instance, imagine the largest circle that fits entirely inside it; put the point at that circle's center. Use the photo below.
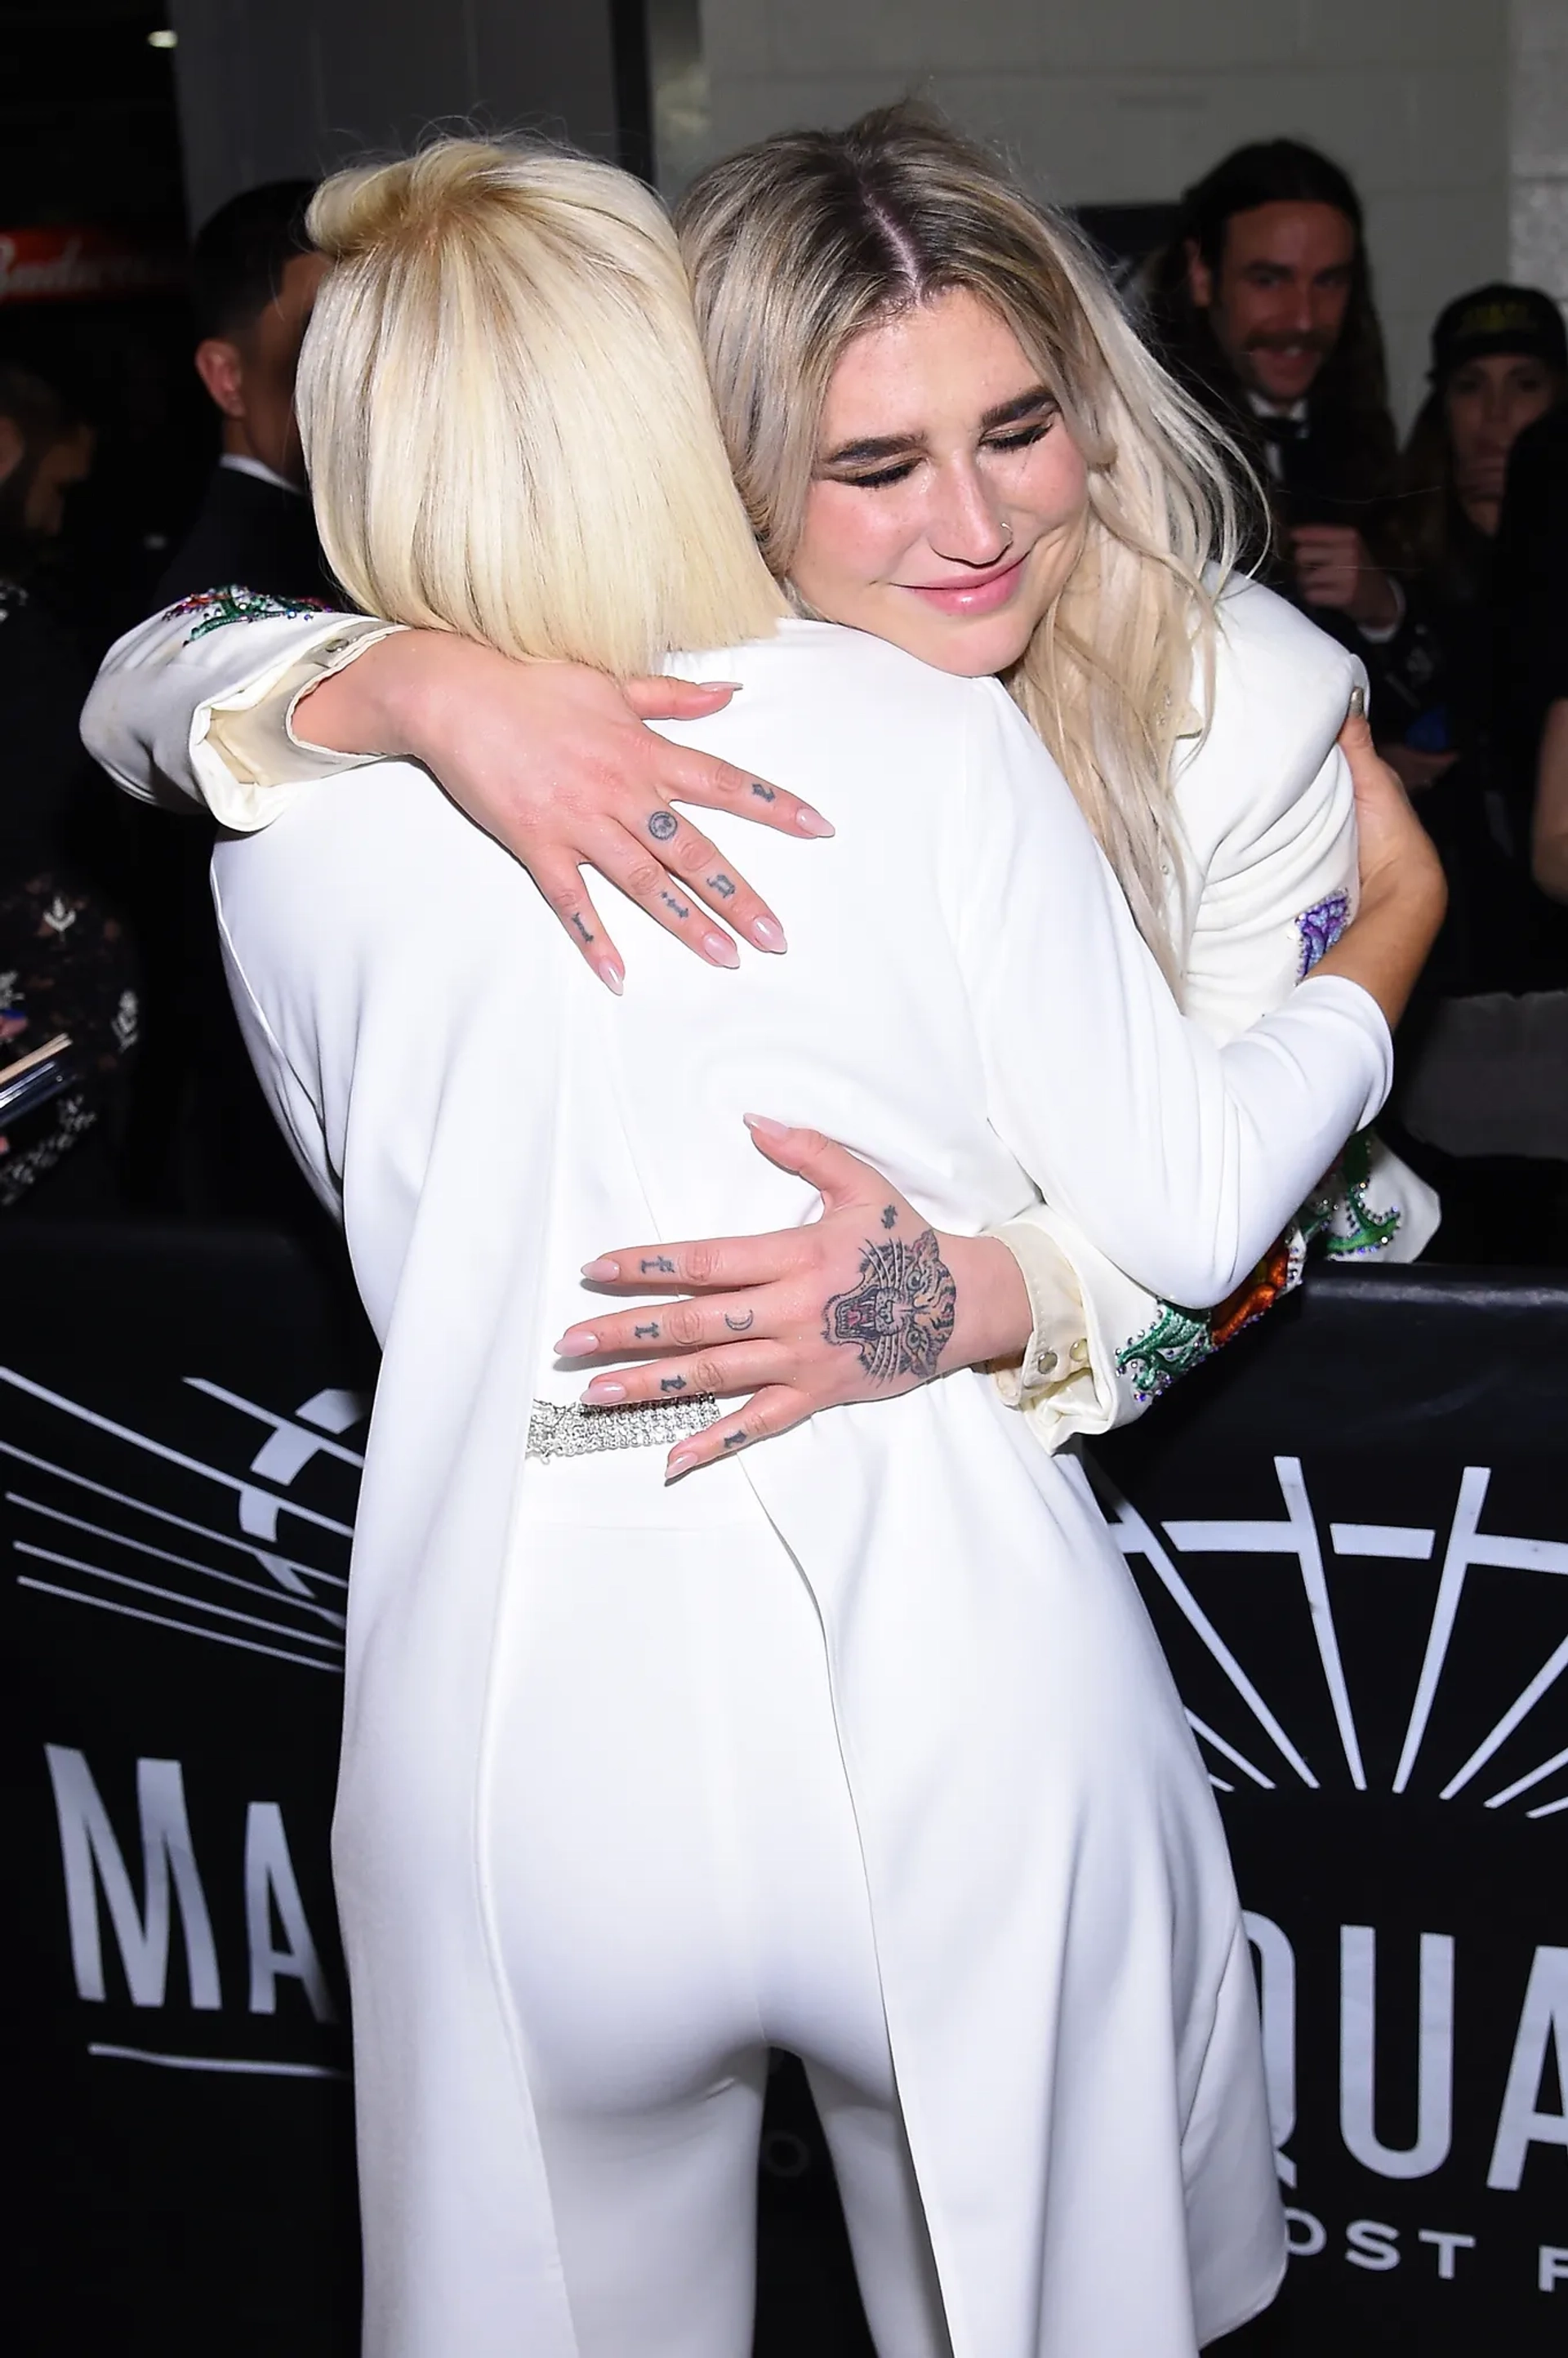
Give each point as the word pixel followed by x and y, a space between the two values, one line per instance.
pixel 279 89
pixel 1539 145
pixel 1127 101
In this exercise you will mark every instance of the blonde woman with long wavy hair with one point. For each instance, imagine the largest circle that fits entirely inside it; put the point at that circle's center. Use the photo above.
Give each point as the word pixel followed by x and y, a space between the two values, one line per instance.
pixel 859 1744
pixel 869 300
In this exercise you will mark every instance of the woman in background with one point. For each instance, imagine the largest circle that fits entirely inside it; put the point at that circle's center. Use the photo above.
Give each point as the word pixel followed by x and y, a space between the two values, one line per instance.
pixel 1485 1064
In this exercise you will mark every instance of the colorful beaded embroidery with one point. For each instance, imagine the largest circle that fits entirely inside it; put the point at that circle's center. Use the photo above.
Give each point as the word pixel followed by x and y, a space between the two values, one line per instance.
pixel 1179 1340
pixel 1338 1218
pixel 234 604
pixel 1319 928
pixel 1174 1345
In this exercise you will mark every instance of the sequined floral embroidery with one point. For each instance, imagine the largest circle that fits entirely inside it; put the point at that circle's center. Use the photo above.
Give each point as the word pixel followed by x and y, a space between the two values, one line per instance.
pixel 1319 928
pixel 1176 1343
pixel 217 607
pixel 1338 1218
pixel 1179 1340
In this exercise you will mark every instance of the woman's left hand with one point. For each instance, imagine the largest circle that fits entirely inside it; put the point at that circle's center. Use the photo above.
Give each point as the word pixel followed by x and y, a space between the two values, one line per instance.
pixel 864 1304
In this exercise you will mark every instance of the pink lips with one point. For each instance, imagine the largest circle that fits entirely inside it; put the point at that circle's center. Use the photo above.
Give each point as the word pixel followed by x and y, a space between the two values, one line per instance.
pixel 978 594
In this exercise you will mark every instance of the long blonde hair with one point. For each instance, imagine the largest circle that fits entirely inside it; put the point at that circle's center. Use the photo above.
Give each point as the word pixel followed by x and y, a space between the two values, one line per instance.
pixel 799 245
pixel 506 417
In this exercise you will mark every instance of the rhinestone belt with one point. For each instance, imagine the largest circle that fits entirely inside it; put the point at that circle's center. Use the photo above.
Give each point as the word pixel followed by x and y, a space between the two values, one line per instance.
pixel 558 1430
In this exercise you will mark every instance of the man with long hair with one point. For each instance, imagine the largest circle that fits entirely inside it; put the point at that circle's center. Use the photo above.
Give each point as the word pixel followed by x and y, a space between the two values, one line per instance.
pixel 1263 302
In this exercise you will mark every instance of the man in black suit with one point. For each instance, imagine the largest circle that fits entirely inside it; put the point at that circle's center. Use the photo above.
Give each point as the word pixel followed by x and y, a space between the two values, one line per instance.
pixel 1262 303
pixel 201 1139
pixel 254 282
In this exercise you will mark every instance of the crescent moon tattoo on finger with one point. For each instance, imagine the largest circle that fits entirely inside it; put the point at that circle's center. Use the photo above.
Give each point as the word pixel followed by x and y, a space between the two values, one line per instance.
pixel 740 1326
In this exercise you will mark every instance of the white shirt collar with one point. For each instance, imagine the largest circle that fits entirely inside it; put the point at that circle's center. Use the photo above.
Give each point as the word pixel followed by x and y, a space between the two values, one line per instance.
pixel 240 464
pixel 1296 410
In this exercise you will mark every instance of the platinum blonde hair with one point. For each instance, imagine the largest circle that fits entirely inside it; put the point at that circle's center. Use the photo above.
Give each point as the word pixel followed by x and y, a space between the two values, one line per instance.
pixel 801 243
pixel 506 417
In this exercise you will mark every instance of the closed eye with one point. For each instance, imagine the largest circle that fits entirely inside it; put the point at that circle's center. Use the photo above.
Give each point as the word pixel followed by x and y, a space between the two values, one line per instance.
pixel 1023 438
pixel 1019 438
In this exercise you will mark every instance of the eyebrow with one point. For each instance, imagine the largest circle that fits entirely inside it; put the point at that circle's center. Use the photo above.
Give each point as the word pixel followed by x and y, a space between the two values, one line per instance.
pixel 893 446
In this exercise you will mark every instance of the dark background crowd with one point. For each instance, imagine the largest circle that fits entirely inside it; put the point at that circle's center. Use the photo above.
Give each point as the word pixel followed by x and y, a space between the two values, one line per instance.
pixel 148 452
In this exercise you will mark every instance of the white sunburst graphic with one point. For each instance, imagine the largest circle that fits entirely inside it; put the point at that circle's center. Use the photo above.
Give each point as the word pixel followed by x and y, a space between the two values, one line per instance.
pixel 1296 1534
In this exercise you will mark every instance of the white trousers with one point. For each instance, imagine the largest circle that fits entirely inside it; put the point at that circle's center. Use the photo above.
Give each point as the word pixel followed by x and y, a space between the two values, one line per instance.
pixel 680 1886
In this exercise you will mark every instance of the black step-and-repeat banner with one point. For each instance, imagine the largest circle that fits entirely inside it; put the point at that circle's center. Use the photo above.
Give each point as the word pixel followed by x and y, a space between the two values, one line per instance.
pixel 1352 1533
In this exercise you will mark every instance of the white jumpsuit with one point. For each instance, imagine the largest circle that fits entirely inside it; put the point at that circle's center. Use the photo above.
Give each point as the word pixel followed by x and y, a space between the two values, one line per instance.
pixel 863 1742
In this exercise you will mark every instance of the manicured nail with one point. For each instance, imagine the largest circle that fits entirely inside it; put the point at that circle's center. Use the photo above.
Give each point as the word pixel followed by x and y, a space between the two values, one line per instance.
pixel 600 1270
pixel 763 1128
pixel 768 934
pixel 678 1464
pixel 604 1392
pixel 715 684
pixel 575 1344
pixel 1357 703
pixel 720 950
pixel 612 974
pixel 811 822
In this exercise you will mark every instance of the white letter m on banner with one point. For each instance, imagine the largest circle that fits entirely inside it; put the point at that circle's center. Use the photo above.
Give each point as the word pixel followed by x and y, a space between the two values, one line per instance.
pixel 92 1856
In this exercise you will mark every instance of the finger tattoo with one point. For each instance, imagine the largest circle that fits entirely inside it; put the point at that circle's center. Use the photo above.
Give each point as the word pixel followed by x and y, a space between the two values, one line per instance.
pixel 678 906
pixel 740 1326
pixel 660 1266
pixel 672 1384
pixel 723 885
pixel 663 825
pixel 647 1334
pixel 764 793
pixel 581 927
pixel 900 1316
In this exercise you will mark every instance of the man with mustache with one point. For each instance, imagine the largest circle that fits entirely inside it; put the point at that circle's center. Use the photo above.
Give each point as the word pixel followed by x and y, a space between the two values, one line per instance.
pixel 1264 300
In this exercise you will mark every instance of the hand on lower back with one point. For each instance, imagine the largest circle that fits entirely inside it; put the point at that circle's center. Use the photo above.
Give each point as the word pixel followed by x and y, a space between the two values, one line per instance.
pixel 860 1306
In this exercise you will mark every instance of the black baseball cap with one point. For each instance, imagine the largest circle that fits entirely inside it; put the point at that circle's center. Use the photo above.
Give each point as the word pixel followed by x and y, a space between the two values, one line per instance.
pixel 1498 319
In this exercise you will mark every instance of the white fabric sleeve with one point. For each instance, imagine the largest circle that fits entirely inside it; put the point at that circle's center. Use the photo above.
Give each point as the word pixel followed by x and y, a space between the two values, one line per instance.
pixel 1179 1158
pixel 166 717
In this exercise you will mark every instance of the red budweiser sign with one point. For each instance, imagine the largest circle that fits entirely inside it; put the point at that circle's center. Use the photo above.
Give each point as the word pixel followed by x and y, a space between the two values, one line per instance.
pixel 81 265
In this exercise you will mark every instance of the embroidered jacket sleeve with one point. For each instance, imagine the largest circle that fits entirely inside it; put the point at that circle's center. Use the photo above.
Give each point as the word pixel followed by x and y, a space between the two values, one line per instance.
pixel 1275 884
pixel 1177 1154
pixel 197 704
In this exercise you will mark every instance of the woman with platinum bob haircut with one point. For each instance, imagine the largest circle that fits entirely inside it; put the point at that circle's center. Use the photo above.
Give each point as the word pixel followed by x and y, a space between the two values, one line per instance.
pixel 860 1745
pixel 947 434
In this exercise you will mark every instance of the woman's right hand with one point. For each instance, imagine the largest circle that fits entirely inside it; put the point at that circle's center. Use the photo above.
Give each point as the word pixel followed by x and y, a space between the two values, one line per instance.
pixel 1403 894
pixel 554 762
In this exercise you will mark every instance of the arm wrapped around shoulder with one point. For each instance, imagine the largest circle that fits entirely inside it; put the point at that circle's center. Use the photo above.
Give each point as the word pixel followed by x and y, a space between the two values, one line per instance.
pixel 193 706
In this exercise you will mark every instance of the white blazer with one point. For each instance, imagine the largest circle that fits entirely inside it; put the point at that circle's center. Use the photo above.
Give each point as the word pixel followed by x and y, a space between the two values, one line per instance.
pixel 966 1002
pixel 188 707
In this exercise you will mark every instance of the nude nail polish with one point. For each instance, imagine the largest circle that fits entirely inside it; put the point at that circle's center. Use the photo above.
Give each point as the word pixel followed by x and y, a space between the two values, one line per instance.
pixel 768 934
pixel 811 822
pixel 601 1272
pixel 720 950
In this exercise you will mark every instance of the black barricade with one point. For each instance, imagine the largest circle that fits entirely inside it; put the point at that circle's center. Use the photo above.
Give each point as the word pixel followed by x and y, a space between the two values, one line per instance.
pixel 179 1422
pixel 1352 1535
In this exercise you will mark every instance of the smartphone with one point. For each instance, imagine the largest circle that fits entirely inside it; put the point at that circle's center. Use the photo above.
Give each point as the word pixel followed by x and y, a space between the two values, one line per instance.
pixel 34 1079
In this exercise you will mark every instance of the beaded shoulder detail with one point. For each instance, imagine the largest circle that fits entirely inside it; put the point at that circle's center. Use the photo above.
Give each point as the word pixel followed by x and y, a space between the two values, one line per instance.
pixel 216 608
